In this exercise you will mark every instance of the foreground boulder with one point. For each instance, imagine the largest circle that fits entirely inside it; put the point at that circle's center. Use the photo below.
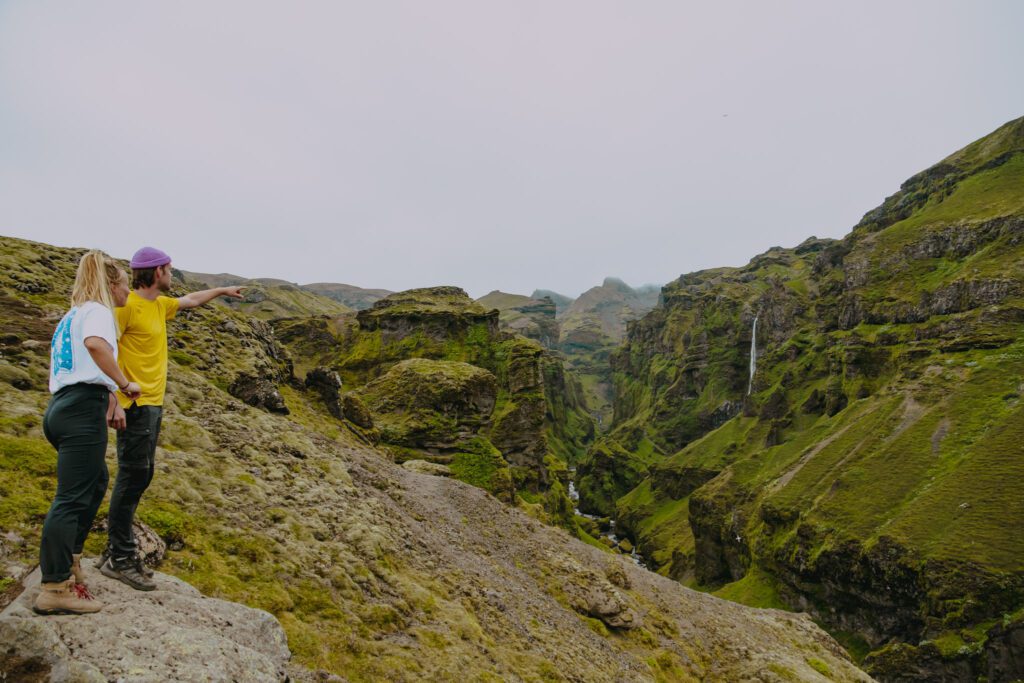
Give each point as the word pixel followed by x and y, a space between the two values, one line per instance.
pixel 171 634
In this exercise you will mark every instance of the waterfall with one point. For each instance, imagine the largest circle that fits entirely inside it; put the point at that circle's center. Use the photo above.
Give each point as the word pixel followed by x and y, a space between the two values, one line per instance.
pixel 753 356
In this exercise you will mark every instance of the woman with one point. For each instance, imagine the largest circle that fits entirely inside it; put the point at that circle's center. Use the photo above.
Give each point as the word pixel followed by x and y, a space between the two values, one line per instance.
pixel 83 378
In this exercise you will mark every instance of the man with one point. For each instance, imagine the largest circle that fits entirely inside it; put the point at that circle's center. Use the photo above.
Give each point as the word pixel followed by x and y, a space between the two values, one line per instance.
pixel 143 359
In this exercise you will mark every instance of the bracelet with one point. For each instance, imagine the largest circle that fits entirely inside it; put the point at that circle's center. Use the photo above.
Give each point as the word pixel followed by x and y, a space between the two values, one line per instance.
pixel 122 387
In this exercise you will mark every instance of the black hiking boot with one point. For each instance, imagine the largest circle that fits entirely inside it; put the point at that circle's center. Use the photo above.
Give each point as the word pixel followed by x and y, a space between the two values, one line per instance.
pixel 139 563
pixel 127 571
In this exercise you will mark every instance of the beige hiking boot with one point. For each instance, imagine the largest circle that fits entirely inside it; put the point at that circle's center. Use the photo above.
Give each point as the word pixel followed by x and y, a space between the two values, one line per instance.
pixel 66 597
pixel 76 568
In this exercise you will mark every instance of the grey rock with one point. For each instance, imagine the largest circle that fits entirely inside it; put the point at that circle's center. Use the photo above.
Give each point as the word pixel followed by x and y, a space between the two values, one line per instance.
pixel 171 634
pixel 425 467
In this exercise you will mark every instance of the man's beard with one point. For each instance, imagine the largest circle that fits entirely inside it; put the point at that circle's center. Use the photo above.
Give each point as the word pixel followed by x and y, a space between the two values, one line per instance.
pixel 164 286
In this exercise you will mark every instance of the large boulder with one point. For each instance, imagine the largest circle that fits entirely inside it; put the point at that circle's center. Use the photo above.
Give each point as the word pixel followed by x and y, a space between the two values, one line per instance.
pixel 431 404
pixel 173 633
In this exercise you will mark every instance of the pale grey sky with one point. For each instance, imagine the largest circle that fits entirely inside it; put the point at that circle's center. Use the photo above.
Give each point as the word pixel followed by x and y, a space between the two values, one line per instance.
pixel 488 145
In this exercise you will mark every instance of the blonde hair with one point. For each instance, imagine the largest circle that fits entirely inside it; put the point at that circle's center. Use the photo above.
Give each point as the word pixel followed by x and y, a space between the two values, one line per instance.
pixel 96 273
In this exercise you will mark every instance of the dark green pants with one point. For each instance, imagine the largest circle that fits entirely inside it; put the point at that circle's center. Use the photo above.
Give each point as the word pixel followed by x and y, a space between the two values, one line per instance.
pixel 136 462
pixel 75 424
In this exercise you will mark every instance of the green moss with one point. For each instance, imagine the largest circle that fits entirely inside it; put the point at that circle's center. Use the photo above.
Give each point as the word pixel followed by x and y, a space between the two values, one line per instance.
pixel 167 520
pixel 819 666
pixel 180 357
pixel 854 643
pixel 28 476
pixel 479 463
pixel 755 589
pixel 596 625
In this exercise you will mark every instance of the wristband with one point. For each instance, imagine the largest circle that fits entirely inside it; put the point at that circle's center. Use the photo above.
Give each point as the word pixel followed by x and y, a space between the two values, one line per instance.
pixel 121 388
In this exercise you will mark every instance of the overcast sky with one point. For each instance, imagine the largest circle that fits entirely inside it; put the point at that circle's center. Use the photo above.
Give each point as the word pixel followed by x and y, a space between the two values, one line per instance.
pixel 511 146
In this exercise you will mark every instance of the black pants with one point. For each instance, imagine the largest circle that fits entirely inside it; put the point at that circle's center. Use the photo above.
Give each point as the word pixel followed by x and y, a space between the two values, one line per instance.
pixel 75 424
pixel 136 461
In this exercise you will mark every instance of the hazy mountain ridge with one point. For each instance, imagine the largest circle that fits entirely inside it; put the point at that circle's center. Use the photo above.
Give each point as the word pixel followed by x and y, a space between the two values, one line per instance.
pixel 534 318
pixel 349 296
pixel 875 469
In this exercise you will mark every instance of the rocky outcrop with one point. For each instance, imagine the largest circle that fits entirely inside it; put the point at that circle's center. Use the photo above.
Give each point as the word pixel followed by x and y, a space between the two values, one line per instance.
pixel 355 411
pixel 327 384
pixel 438 313
pixel 258 392
pixel 428 404
pixel 172 633
pixel 1004 651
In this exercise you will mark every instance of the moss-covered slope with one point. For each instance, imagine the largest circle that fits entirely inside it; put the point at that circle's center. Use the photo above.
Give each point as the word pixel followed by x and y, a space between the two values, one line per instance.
pixel 872 470
pixel 268 298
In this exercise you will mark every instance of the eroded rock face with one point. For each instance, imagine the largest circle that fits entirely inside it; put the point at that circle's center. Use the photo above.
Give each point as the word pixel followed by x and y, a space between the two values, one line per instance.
pixel 355 411
pixel 1004 651
pixel 171 634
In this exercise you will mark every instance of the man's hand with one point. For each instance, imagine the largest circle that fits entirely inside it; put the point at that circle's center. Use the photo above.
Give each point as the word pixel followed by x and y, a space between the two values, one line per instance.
pixel 193 299
pixel 117 418
pixel 132 390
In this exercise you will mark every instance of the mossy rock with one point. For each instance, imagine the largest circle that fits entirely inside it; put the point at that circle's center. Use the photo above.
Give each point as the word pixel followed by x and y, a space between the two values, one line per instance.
pixel 421 403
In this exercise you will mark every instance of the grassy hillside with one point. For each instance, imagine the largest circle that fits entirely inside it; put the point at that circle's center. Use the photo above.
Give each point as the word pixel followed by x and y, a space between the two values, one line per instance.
pixel 874 472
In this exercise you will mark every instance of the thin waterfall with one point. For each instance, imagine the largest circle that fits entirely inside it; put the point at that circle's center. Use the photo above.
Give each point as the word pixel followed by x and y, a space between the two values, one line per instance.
pixel 753 356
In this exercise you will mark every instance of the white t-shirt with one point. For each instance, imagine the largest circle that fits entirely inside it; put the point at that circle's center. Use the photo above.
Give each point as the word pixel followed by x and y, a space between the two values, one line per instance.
pixel 70 362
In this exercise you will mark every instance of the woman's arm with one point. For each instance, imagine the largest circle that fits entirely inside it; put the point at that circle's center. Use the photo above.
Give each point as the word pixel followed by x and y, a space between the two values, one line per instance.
pixel 103 356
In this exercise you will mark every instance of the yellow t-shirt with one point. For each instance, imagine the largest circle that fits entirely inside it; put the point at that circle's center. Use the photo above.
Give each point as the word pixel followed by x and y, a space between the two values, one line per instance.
pixel 142 348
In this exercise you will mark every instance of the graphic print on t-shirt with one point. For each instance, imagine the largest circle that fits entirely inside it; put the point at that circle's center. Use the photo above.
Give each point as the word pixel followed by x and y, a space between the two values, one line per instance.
pixel 62 354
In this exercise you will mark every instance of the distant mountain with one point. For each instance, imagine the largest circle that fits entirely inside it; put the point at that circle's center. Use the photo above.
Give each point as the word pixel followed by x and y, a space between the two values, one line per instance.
pixel 602 312
pixel 350 295
pixel 270 298
pixel 531 317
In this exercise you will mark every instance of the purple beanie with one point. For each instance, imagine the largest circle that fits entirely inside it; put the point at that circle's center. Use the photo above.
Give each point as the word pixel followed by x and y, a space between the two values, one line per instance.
pixel 149 257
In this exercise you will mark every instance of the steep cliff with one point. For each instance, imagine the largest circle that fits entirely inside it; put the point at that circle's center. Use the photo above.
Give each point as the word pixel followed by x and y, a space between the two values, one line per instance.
pixel 866 463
